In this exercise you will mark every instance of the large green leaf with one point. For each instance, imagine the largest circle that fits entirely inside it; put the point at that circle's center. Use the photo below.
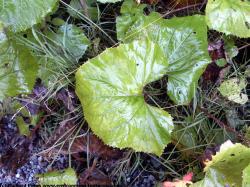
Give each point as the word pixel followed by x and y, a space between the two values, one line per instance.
pixel 183 40
pixel 20 15
pixel 226 167
pixel 18 68
pixel 110 88
pixel 229 16
pixel 71 39
pixel 246 177
pixel 64 177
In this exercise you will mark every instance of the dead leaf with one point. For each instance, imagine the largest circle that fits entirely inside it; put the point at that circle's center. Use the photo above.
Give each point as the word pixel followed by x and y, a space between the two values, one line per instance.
pixel 67 97
pixel 30 102
pixel 89 144
pixel 95 178
pixel 96 147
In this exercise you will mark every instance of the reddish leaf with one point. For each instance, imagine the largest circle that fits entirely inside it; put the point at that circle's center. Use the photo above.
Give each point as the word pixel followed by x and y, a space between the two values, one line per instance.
pixel 216 50
pixel 187 179
pixel 212 72
pixel 188 176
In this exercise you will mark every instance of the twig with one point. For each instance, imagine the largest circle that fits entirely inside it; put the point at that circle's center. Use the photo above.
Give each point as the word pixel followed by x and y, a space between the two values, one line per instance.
pixel 223 125
pixel 84 7
pixel 89 171
pixel 183 8
pixel 203 3
pixel 244 46
pixel 40 123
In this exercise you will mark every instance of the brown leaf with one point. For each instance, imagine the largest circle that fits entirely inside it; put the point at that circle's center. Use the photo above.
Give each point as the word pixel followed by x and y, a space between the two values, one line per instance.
pixel 96 147
pixel 88 144
pixel 67 97
pixel 96 177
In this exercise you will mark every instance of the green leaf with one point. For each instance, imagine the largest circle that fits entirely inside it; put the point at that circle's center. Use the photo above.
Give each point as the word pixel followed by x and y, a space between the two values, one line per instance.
pixel 57 21
pixel 110 88
pixel 130 13
pixel 22 126
pixel 72 39
pixel 22 14
pixel 231 50
pixel 184 42
pixel 221 62
pixel 225 168
pixel 186 137
pixel 18 68
pixel 64 177
pixel 232 88
pixel 246 177
pixel 229 17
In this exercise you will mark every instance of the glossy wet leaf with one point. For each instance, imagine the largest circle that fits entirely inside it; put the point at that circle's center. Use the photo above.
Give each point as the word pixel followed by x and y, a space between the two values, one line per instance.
pixel 63 177
pixel 184 42
pixel 229 16
pixel 226 167
pixel 72 39
pixel 110 88
pixel 20 15
pixel 18 68
pixel 232 90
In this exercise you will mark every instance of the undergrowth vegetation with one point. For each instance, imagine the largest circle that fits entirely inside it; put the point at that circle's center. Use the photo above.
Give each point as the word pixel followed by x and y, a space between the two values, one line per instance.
pixel 128 93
